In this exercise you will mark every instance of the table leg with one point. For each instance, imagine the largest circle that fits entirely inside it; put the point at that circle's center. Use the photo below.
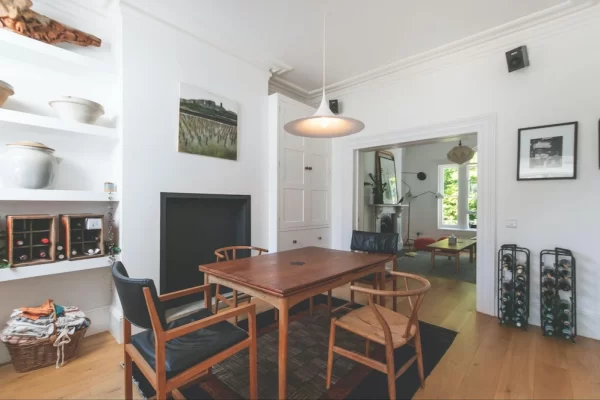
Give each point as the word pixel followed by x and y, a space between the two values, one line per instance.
pixel 471 254
pixel 457 255
pixel 283 347
pixel 432 259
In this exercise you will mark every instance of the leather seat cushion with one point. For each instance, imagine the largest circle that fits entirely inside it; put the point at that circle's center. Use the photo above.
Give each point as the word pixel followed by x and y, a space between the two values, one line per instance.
pixel 187 351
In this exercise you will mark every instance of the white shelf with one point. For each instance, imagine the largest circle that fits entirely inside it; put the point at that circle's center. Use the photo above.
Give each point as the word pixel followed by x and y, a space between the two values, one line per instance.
pixel 16 121
pixel 54 195
pixel 61 267
pixel 52 57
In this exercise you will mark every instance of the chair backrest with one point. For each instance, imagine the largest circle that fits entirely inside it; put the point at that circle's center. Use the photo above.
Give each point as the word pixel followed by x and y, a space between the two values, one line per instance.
pixel 231 252
pixel 373 242
pixel 131 294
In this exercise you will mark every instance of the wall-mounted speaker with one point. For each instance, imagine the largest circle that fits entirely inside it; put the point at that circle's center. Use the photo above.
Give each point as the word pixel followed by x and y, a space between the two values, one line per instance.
pixel 517 58
pixel 334 106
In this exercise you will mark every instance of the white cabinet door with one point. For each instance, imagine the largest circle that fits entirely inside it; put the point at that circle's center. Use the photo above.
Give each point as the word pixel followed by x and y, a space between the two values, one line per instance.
pixel 319 189
pixel 294 184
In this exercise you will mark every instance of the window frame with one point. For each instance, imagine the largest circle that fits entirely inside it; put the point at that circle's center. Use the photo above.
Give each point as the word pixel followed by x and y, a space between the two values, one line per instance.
pixel 463 197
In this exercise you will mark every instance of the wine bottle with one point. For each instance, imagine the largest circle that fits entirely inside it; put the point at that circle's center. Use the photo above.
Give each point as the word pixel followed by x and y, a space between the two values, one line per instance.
pixel 567 333
pixel 507 286
pixel 564 284
pixel 521 269
pixel 564 263
pixel 521 278
pixel 507 274
pixel 549 283
pixel 43 254
pixel 520 286
pixel 59 247
pixel 20 242
pixel 564 272
pixel 23 257
pixel 549 271
pixel 520 301
pixel 564 306
pixel 548 329
pixel 506 298
pixel 548 316
pixel 74 252
pixel 60 256
pixel 519 321
pixel 45 240
pixel 507 259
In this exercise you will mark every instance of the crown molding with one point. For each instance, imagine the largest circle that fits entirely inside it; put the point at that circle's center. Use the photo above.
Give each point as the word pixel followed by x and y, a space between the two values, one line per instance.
pixel 484 42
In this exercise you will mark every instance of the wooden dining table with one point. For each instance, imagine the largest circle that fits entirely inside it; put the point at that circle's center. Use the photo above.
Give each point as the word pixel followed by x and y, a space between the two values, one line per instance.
pixel 286 278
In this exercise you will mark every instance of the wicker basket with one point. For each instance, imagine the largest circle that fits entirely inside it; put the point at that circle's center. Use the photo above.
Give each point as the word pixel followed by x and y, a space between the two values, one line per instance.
pixel 42 353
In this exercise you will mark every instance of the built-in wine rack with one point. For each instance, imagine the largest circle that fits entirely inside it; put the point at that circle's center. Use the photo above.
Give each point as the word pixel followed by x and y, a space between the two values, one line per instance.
pixel 31 239
pixel 82 235
pixel 558 300
pixel 513 285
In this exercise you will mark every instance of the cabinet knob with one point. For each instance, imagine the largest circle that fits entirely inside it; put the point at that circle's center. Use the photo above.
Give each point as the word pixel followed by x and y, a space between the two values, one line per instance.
pixel 307 168
pixel 294 241
pixel 320 238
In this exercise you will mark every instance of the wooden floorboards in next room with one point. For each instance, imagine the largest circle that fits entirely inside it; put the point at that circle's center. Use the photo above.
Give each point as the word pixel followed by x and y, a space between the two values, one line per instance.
pixel 486 361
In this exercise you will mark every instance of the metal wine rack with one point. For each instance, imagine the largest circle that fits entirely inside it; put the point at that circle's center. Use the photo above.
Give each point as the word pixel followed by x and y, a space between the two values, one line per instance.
pixel 513 287
pixel 557 317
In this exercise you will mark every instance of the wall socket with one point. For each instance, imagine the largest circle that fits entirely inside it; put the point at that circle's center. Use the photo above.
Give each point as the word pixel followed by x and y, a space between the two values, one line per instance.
pixel 511 223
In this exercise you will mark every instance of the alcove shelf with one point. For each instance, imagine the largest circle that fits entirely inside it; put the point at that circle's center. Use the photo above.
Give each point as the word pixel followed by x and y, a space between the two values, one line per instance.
pixel 31 51
pixel 56 195
pixel 60 267
pixel 17 121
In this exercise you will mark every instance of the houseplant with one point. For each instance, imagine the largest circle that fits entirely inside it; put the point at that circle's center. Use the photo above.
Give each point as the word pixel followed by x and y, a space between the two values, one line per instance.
pixel 377 187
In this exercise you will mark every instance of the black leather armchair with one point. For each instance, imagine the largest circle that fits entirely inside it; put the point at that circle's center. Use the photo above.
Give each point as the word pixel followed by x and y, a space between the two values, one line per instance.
pixel 173 354
pixel 375 243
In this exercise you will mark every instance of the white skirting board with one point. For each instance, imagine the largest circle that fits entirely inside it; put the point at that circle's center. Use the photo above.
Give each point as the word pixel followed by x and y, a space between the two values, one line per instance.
pixel 100 323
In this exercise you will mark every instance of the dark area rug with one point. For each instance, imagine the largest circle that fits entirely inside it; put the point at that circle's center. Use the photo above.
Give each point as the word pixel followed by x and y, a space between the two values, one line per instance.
pixel 307 362
pixel 420 264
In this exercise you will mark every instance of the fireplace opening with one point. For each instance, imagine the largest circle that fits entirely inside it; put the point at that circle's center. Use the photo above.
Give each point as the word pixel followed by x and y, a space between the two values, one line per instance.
pixel 193 226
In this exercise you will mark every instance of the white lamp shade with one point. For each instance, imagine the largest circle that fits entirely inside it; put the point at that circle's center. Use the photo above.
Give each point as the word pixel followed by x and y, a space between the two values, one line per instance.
pixel 324 124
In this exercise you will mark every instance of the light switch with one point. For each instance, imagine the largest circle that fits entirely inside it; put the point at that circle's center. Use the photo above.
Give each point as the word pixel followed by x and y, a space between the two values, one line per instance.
pixel 511 223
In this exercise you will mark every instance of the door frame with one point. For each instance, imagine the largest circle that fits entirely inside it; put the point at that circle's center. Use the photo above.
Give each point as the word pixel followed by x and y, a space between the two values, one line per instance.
pixel 347 189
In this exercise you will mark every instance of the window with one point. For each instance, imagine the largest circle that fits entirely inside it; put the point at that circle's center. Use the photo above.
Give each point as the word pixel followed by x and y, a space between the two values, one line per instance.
pixel 458 184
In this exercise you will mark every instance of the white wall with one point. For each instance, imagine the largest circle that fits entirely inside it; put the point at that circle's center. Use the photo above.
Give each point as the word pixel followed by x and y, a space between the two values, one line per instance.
pixel 424 210
pixel 561 85
pixel 156 57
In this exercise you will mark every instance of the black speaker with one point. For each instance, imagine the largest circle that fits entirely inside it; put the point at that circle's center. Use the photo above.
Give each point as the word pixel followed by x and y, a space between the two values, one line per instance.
pixel 517 58
pixel 334 106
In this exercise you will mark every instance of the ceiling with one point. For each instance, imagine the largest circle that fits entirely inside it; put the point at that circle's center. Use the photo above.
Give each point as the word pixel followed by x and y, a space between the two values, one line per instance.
pixel 362 35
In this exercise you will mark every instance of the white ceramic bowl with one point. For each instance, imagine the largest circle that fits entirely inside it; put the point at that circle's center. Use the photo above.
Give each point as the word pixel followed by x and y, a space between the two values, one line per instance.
pixel 76 109
pixel 5 92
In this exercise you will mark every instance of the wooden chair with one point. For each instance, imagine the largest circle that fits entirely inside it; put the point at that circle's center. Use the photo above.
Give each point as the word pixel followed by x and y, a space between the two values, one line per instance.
pixel 374 243
pixel 384 326
pixel 173 354
pixel 230 253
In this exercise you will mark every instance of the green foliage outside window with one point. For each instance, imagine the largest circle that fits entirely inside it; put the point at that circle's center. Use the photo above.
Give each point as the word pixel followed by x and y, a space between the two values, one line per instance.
pixel 450 201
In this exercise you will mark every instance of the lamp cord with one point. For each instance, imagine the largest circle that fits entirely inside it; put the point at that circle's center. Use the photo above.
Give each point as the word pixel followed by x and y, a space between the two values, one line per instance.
pixel 324 47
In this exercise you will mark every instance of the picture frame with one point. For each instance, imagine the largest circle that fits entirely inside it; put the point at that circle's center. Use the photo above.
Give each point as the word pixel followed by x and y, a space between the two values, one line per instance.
pixel 208 123
pixel 547 152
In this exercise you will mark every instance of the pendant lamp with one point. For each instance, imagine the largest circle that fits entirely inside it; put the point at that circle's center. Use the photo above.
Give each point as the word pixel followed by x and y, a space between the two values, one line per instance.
pixel 460 154
pixel 324 124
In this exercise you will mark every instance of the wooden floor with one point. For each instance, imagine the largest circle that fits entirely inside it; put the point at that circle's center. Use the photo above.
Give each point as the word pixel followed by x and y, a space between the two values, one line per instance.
pixel 486 360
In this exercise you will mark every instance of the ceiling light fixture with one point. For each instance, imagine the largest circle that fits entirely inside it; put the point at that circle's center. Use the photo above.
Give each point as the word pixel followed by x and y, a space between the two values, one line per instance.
pixel 324 124
pixel 461 154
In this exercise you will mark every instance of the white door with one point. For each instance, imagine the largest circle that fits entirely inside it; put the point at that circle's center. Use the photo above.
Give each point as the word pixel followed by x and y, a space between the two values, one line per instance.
pixel 294 183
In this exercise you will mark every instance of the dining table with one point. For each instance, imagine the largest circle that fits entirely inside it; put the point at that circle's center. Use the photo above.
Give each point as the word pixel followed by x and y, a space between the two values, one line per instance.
pixel 284 279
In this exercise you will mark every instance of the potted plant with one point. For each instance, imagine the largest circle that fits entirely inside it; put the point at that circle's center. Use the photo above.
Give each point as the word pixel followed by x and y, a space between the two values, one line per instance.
pixel 377 187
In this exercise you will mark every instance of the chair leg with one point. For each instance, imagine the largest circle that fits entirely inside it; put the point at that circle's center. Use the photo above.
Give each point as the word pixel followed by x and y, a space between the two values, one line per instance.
pixel 276 314
pixel 128 377
pixel 235 304
pixel 161 391
pixel 217 291
pixel 419 352
pixel 253 358
pixel 330 353
pixel 391 373
pixel 394 299
pixel 367 344
pixel 352 293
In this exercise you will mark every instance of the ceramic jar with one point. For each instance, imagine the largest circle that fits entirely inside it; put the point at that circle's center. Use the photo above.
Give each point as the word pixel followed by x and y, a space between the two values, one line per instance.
pixel 5 92
pixel 28 165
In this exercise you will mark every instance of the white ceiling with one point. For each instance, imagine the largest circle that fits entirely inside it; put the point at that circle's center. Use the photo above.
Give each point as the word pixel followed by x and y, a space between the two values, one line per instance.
pixel 362 35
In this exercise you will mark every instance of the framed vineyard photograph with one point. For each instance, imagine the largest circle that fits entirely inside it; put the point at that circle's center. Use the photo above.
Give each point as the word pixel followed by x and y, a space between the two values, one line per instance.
pixel 208 124
pixel 547 152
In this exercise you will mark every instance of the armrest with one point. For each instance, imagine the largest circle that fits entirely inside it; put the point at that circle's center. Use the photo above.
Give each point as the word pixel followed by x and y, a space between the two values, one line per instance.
pixel 249 309
pixel 184 292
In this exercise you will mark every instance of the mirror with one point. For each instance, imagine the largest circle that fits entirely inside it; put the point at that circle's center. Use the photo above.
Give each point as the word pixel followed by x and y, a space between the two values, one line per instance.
pixel 385 166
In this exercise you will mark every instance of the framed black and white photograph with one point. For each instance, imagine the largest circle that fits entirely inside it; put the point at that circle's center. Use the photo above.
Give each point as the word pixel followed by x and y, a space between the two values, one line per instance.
pixel 547 152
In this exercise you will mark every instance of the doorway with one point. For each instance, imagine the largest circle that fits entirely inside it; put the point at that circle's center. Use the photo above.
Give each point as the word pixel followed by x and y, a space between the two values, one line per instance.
pixel 348 188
